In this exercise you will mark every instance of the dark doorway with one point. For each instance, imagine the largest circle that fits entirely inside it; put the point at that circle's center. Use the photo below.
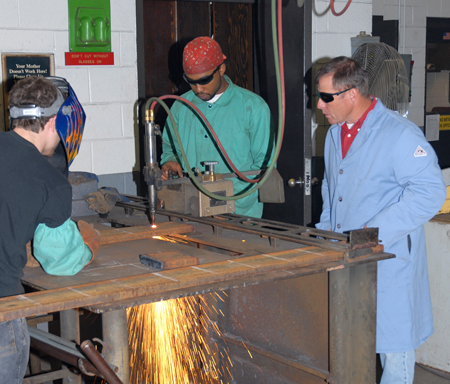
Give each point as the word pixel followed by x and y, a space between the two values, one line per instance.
pixel 243 29
pixel 437 60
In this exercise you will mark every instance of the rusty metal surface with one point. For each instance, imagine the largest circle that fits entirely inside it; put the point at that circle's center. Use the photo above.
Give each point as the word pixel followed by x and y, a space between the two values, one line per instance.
pixel 108 374
pixel 309 330
pixel 280 297
pixel 167 260
pixel 352 324
pixel 117 275
pixel 137 286
pixel 350 243
pixel 115 261
pixel 366 238
pixel 292 362
pixel 120 235
pixel 288 318
pixel 284 274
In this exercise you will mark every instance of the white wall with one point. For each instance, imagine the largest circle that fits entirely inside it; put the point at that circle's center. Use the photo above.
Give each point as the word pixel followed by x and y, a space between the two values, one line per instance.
pixel 331 37
pixel 108 93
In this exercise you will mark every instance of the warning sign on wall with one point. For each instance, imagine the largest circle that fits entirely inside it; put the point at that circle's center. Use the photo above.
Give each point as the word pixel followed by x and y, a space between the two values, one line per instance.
pixel 89 58
pixel 444 123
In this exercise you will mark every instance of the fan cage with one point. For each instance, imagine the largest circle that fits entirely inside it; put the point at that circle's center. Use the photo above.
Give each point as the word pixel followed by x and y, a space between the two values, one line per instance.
pixel 388 78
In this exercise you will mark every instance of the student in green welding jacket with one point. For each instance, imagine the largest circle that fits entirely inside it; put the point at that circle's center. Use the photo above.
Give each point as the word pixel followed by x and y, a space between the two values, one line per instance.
pixel 240 119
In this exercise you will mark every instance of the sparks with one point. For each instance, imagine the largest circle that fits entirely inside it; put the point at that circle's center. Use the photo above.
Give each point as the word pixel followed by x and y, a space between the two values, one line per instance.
pixel 171 343
pixel 169 239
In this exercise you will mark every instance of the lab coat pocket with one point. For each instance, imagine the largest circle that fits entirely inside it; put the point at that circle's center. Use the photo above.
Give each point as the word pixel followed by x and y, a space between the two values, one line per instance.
pixel 394 273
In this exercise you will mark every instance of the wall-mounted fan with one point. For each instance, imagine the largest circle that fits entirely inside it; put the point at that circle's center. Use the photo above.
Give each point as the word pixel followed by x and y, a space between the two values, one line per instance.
pixel 388 75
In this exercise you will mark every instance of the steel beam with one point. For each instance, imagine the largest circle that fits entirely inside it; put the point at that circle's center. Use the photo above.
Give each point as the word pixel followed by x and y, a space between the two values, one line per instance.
pixel 352 324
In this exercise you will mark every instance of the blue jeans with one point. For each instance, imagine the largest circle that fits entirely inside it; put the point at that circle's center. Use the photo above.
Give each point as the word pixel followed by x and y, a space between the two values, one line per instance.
pixel 14 350
pixel 398 368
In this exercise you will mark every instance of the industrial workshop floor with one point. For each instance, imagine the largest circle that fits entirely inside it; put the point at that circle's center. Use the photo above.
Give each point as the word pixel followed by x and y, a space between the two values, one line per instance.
pixel 421 376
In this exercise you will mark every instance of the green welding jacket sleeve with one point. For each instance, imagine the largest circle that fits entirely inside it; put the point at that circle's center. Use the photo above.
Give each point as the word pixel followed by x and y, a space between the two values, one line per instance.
pixel 60 251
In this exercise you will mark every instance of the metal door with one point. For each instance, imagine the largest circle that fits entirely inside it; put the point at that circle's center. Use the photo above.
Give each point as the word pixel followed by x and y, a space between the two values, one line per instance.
pixel 296 147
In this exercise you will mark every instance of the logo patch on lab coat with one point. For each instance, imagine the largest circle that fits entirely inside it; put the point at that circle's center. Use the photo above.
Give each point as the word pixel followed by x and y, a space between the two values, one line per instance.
pixel 420 152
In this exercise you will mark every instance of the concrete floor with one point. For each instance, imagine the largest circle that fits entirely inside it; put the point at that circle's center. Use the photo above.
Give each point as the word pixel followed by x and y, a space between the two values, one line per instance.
pixel 422 376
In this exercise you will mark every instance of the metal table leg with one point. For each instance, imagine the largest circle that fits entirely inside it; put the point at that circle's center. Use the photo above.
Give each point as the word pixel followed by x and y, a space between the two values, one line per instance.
pixel 115 336
pixel 70 330
pixel 352 322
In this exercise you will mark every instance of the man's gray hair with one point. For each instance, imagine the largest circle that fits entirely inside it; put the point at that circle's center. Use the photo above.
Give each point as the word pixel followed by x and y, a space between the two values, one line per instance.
pixel 347 73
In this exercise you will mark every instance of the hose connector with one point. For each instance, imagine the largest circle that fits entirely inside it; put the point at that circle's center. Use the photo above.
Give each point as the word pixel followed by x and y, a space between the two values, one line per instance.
pixel 149 115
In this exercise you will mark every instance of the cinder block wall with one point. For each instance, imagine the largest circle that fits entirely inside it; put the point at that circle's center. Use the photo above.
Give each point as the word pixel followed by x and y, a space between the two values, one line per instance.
pixel 107 93
pixel 331 38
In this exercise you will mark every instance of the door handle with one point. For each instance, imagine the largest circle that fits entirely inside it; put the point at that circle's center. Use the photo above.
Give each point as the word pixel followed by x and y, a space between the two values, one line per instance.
pixel 292 182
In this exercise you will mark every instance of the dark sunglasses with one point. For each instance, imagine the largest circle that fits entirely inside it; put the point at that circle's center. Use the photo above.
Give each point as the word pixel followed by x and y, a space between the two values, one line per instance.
pixel 329 97
pixel 203 81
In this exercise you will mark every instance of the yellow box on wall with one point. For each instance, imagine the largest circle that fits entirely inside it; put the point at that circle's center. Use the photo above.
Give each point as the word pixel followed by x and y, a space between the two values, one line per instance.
pixel 444 123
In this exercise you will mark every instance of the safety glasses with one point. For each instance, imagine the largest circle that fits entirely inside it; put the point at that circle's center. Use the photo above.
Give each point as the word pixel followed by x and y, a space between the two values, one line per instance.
pixel 329 97
pixel 203 81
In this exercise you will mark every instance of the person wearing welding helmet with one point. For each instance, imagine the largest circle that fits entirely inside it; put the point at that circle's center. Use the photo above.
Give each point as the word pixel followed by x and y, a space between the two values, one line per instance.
pixel 381 172
pixel 240 119
pixel 36 201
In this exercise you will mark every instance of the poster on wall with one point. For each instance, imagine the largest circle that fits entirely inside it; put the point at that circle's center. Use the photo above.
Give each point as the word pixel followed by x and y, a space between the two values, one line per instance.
pixel 17 66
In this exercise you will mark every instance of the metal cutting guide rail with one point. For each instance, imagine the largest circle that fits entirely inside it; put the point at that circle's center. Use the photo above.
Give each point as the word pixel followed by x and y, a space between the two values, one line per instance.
pixel 352 244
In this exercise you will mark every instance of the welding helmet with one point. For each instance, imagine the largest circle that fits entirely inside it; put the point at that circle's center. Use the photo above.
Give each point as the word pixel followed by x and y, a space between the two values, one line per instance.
pixel 70 116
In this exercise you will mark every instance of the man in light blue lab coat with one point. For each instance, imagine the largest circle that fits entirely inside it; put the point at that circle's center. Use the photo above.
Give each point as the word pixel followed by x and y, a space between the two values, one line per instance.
pixel 381 172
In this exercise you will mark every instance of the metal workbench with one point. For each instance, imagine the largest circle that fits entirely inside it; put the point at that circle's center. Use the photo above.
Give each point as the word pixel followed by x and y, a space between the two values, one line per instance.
pixel 305 305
